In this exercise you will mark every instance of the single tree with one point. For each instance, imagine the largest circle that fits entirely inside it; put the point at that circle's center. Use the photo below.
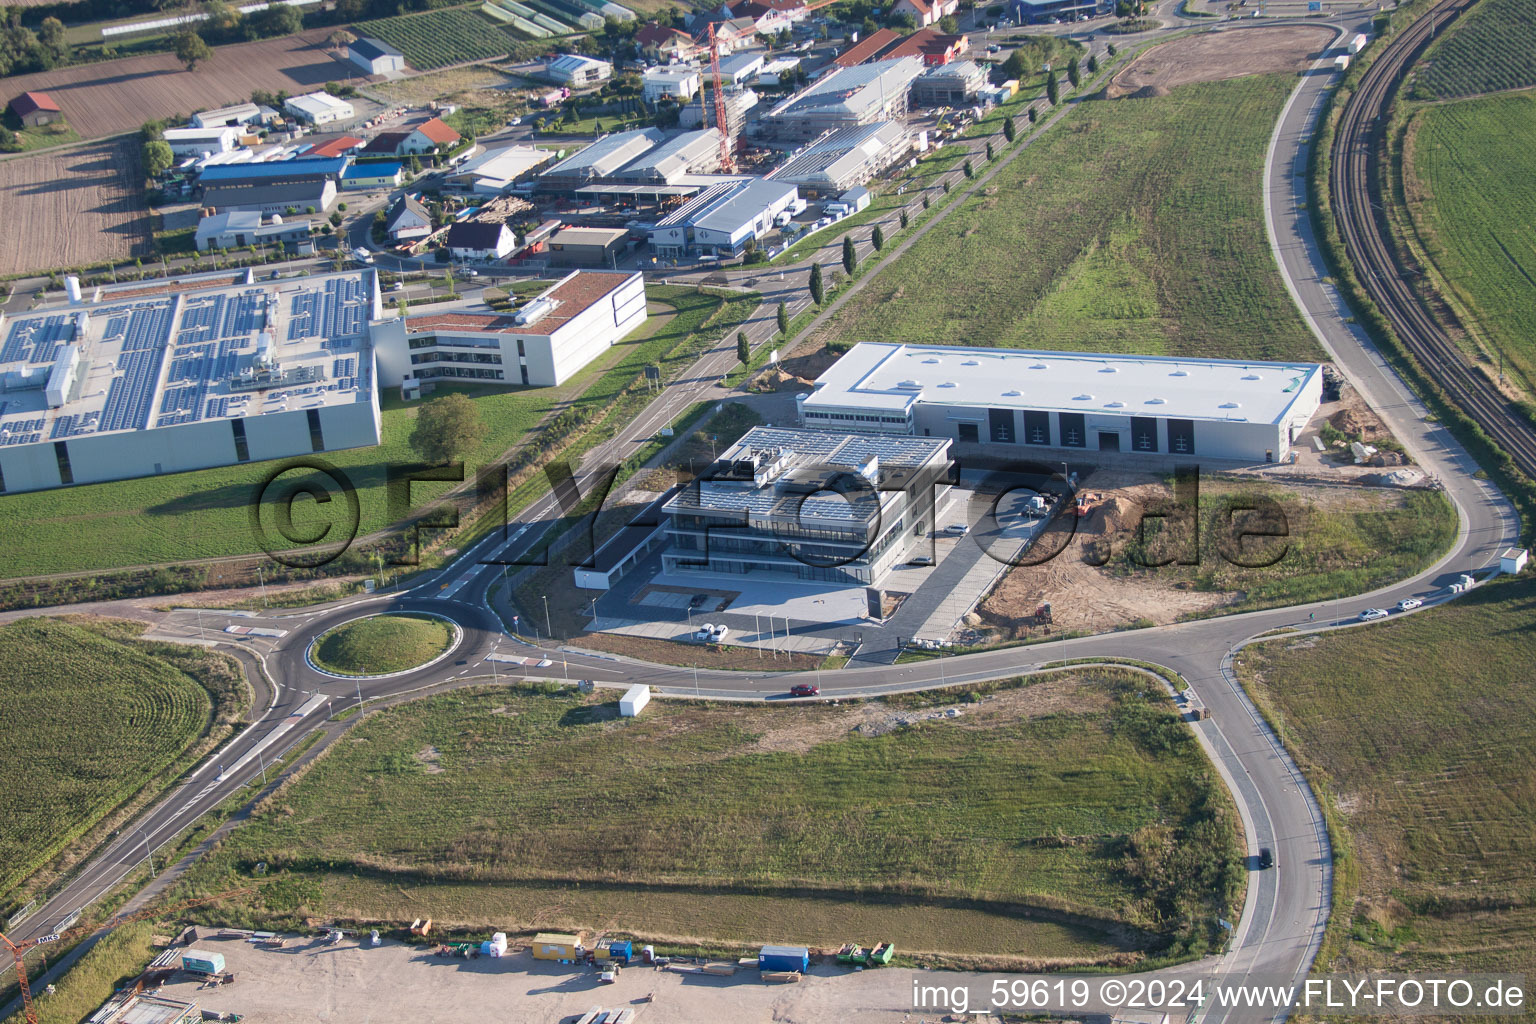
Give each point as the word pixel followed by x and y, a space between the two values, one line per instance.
pixel 989 150
pixel 927 202
pixel 1032 115
pixel 783 319
pixel 1074 73
pixel 743 348
pixel 1093 64
pixel 946 188
pixel 446 427
pixel 1109 48
pixel 1052 90
pixel 157 157
pixel 818 290
pixel 1009 131
pixel 51 35
pixel 341 39
pixel 877 238
pixel 850 255
pixel 904 220
pixel 969 173
pixel 190 48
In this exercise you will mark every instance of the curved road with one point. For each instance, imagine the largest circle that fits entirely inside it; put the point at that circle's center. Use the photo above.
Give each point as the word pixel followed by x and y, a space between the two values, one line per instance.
pixel 1286 908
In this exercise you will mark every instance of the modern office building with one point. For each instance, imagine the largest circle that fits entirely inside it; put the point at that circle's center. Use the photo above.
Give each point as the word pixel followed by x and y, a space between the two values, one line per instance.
pixel 162 377
pixel 680 84
pixel 721 218
pixel 808 504
pixel 1069 401
pixel 541 345
pixel 846 98
pixel 949 85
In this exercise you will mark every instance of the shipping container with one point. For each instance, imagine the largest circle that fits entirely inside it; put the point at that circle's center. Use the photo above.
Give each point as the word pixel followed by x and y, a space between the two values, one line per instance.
pixel 1358 43
pixel 784 958
pixel 201 962
pixel 555 946
pixel 634 699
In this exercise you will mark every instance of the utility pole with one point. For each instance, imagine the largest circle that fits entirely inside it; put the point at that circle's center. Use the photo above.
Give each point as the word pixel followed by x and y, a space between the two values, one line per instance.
pixel 547 626
pixel 149 854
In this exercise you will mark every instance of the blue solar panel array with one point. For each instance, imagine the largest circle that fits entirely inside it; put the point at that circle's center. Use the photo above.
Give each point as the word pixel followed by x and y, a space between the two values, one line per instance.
pixel 213 331
pixel 37 340
pixel 345 372
pixel 130 395
pixel 338 311
pixel 22 432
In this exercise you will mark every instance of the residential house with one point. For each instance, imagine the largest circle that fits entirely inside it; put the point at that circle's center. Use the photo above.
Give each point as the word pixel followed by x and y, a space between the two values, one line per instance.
pixel 430 136
pixel 666 44
pixel 480 240
pixel 927 12
pixel 407 220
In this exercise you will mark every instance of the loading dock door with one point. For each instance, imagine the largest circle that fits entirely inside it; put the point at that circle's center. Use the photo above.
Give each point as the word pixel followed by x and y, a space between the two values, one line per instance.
pixel 1109 441
pixel 968 432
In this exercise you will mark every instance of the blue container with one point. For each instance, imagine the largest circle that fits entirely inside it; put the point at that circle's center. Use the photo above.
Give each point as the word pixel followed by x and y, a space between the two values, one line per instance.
pixel 784 958
pixel 624 951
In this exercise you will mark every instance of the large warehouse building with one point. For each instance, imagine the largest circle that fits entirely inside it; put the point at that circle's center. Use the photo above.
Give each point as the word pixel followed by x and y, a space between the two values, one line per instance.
pixel 542 344
pixel 846 98
pixel 1071 401
pixel 841 159
pixel 809 505
pixel 187 374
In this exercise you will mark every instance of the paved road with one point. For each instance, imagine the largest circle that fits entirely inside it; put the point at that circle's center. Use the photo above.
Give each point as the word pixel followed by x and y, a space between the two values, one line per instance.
pixel 1286 908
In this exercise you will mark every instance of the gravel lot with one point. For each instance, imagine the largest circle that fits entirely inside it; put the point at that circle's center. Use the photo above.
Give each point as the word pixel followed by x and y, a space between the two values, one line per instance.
pixel 310 981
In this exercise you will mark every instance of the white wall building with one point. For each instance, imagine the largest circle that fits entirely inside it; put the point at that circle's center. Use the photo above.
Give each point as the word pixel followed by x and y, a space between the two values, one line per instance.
pixel 319 108
pixel 220 117
pixel 185 142
pixel 1026 402
pixel 574 70
pixel 153 378
pixel 496 170
pixel 723 217
pixel 680 84
pixel 375 56
pixel 542 344
pixel 480 240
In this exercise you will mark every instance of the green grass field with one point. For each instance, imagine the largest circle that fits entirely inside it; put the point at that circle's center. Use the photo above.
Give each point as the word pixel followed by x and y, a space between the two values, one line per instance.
pixel 1492 47
pixel 1474 210
pixel 381 644
pixel 18 138
pixel 204 514
pixel 435 39
pixel 1418 731
pixel 94 715
pixel 1105 235
pixel 1080 795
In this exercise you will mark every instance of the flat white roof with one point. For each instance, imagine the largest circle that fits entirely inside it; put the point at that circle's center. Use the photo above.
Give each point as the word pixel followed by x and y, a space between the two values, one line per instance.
pixel 895 377
pixel 159 354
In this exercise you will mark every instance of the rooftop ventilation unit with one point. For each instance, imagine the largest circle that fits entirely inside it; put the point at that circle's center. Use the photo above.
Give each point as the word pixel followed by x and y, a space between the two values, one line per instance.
pixel 535 311
pixel 910 385
pixel 1039 366
pixel 949 384
pixel 1114 405
pixel 1157 401
pixel 1252 376
pixel 971 362
pixel 1011 394
pixel 1179 373
pixel 933 362
pixel 1108 369
pixel 1082 398
pixel 1231 405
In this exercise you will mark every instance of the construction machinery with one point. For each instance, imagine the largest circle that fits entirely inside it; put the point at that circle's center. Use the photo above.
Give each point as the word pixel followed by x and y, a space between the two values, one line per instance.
pixel 1087 502
pixel 19 950
pixel 727 162
pixel 1043 613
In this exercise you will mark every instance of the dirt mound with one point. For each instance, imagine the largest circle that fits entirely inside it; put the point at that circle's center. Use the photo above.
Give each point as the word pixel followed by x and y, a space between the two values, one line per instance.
pixel 1148 92
pixel 776 379
pixel 1357 421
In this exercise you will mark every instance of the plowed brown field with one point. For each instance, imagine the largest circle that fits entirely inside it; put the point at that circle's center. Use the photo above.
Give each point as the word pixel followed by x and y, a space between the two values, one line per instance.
pixel 66 209
pixel 119 95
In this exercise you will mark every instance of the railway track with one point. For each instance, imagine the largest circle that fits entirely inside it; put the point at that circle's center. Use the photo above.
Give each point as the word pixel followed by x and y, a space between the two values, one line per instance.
pixel 1355 179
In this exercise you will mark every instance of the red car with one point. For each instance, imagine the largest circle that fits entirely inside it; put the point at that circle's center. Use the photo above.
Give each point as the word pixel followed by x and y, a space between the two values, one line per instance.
pixel 804 690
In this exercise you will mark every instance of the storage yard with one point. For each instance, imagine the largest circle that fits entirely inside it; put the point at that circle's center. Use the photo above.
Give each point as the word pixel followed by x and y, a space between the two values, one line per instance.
pixel 1213 56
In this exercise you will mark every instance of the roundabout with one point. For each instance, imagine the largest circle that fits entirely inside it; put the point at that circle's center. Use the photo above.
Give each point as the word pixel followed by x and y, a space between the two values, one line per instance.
pixel 383 644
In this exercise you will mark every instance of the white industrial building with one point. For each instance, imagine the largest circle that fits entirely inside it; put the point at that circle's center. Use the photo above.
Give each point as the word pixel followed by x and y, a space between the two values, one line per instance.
pixel 574 70
pixel 240 228
pixel 723 217
pixel 319 108
pixel 1069 401
pixel 817 505
pixel 496 170
pixel 375 56
pixel 847 97
pixel 542 344
pixel 185 142
pixel 846 157
pixel 738 103
pixel 221 117
pixel 681 84
pixel 602 158
pixel 954 84
pixel 695 152
pixel 150 378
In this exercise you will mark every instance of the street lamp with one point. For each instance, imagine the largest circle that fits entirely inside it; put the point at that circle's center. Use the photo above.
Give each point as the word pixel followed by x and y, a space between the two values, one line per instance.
pixel 149 854
pixel 547 627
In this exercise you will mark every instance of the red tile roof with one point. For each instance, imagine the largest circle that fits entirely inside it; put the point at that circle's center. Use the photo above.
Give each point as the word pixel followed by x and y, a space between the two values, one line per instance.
pixel 29 102
pixel 866 48
pixel 336 147
pixel 927 43
pixel 654 35
pixel 438 132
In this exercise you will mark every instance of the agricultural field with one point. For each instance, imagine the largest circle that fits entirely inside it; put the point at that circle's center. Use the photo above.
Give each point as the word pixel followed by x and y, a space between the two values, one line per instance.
pixel 746 823
pixel 71 208
pixel 116 96
pixel 1103 235
pixel 477 86
pixel 96 715
pixel 204 514
pixel 381 644
pixel 435 39
pixel 1425 767
pixel 1492 47
pixel 1467 180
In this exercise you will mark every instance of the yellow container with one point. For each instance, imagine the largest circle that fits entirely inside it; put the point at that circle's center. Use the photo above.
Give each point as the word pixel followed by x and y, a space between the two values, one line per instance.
pixel 555 946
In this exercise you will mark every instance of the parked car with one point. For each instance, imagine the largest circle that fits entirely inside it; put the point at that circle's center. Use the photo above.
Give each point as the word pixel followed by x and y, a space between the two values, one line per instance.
pixel 705 632
pixel 804 690
pixel 1408 604
pixel 398 286
pixel 697 600
pixel 719 633
pixel 1373 613
pixel 921 560
pixel 471 272
pixel 1266 859
pixel 957 529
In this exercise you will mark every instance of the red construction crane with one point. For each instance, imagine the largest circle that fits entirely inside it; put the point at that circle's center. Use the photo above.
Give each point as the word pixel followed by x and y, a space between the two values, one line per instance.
pixel 20 949
pixel 726 163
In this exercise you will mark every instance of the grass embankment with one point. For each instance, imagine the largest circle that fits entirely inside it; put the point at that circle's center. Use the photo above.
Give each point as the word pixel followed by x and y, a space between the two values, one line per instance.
pixel 1070 816
pixel 118 957
pixel 1104 235
pixel 1491 47
pixel 98 718
pixel 1417 732
pixel 380 644
pixel 204 514
pixel 1468 187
